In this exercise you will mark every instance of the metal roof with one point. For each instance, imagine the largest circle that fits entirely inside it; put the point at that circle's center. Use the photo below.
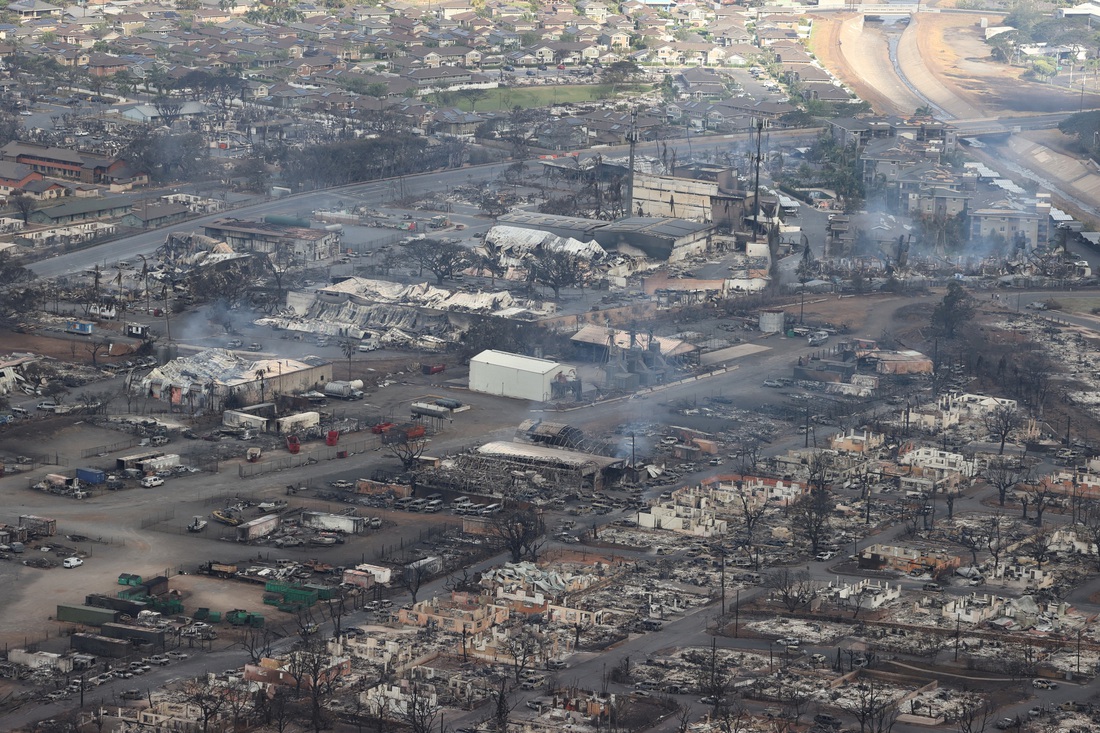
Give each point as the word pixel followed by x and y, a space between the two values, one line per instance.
pixel 519 362
pixel 547 454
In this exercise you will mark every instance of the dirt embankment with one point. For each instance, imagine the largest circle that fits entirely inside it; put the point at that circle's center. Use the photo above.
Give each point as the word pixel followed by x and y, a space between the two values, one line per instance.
pixel 859 55
pixel 944 56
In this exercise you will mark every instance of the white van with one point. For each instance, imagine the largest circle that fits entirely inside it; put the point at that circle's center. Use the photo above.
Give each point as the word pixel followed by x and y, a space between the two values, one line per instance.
pixel 72 562
pixel 433 506
pixel 403 503
pixel 20 412
pixel 150 482
pixel 490 509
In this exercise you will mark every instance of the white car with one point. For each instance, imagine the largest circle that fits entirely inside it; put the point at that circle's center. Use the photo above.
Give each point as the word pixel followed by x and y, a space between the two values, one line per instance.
pixel 72 562
pixel 150 482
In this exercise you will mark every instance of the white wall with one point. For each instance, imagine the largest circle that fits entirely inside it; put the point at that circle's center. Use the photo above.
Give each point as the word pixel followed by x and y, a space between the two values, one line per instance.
pixel 508 381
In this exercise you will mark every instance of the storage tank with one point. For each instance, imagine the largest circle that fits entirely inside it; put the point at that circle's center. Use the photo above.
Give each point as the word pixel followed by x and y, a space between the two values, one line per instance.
pixel 771 321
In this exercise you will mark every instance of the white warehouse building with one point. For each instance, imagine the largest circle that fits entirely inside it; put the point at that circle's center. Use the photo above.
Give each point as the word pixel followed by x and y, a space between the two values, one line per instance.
pixel 514 375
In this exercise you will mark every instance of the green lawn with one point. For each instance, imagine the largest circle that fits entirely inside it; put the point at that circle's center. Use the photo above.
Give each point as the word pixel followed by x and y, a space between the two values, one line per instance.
pixel 531 97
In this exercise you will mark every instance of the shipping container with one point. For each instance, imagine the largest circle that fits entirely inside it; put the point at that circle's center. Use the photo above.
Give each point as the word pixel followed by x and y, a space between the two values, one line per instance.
pixel 423 568
pixel 101 646
pixel 157 586
pixel 257 528
pixel 86 614
pixel 160 463
pixel 334 522
pixel 359 578
pixel 381 573
pixel 92 476
pixel 123 605
pixel 140 634
pixel 133 461
pixel 38 526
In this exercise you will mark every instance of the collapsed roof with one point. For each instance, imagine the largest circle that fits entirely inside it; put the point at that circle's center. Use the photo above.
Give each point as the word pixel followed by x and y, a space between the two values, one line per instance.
pixel 514 242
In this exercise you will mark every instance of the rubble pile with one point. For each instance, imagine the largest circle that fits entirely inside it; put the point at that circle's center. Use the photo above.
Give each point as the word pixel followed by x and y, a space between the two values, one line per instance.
pixel 808 632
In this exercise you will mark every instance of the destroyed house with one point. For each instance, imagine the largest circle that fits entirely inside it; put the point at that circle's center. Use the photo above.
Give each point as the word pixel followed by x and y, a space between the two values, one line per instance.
pixel 304 244
pixel 208 378
pixel 906 559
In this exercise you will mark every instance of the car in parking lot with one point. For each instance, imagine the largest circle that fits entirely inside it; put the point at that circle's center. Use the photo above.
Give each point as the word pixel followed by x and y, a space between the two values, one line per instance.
pixel 176 655
pixel 158 659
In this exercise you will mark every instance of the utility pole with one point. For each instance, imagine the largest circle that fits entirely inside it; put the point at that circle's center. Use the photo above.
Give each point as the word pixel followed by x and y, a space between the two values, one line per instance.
pixel 633 139
pixel 756 184
pixel 736 612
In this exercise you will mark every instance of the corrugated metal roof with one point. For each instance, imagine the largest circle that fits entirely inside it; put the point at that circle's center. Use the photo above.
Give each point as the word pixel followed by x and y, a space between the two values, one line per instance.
pixel 599 335
pixel 518 362
pixel 544 453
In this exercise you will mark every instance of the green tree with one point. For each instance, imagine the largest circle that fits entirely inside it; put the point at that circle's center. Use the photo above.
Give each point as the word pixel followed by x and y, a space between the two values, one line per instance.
pixel 620 72
pixel 951 313
pixel 1041 69
pixel 555 269
pixel 348 347
pixel 1085 128
pixel 442 259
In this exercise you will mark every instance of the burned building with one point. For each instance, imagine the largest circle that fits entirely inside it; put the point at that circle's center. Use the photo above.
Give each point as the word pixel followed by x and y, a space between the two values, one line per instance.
pixel 213 376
